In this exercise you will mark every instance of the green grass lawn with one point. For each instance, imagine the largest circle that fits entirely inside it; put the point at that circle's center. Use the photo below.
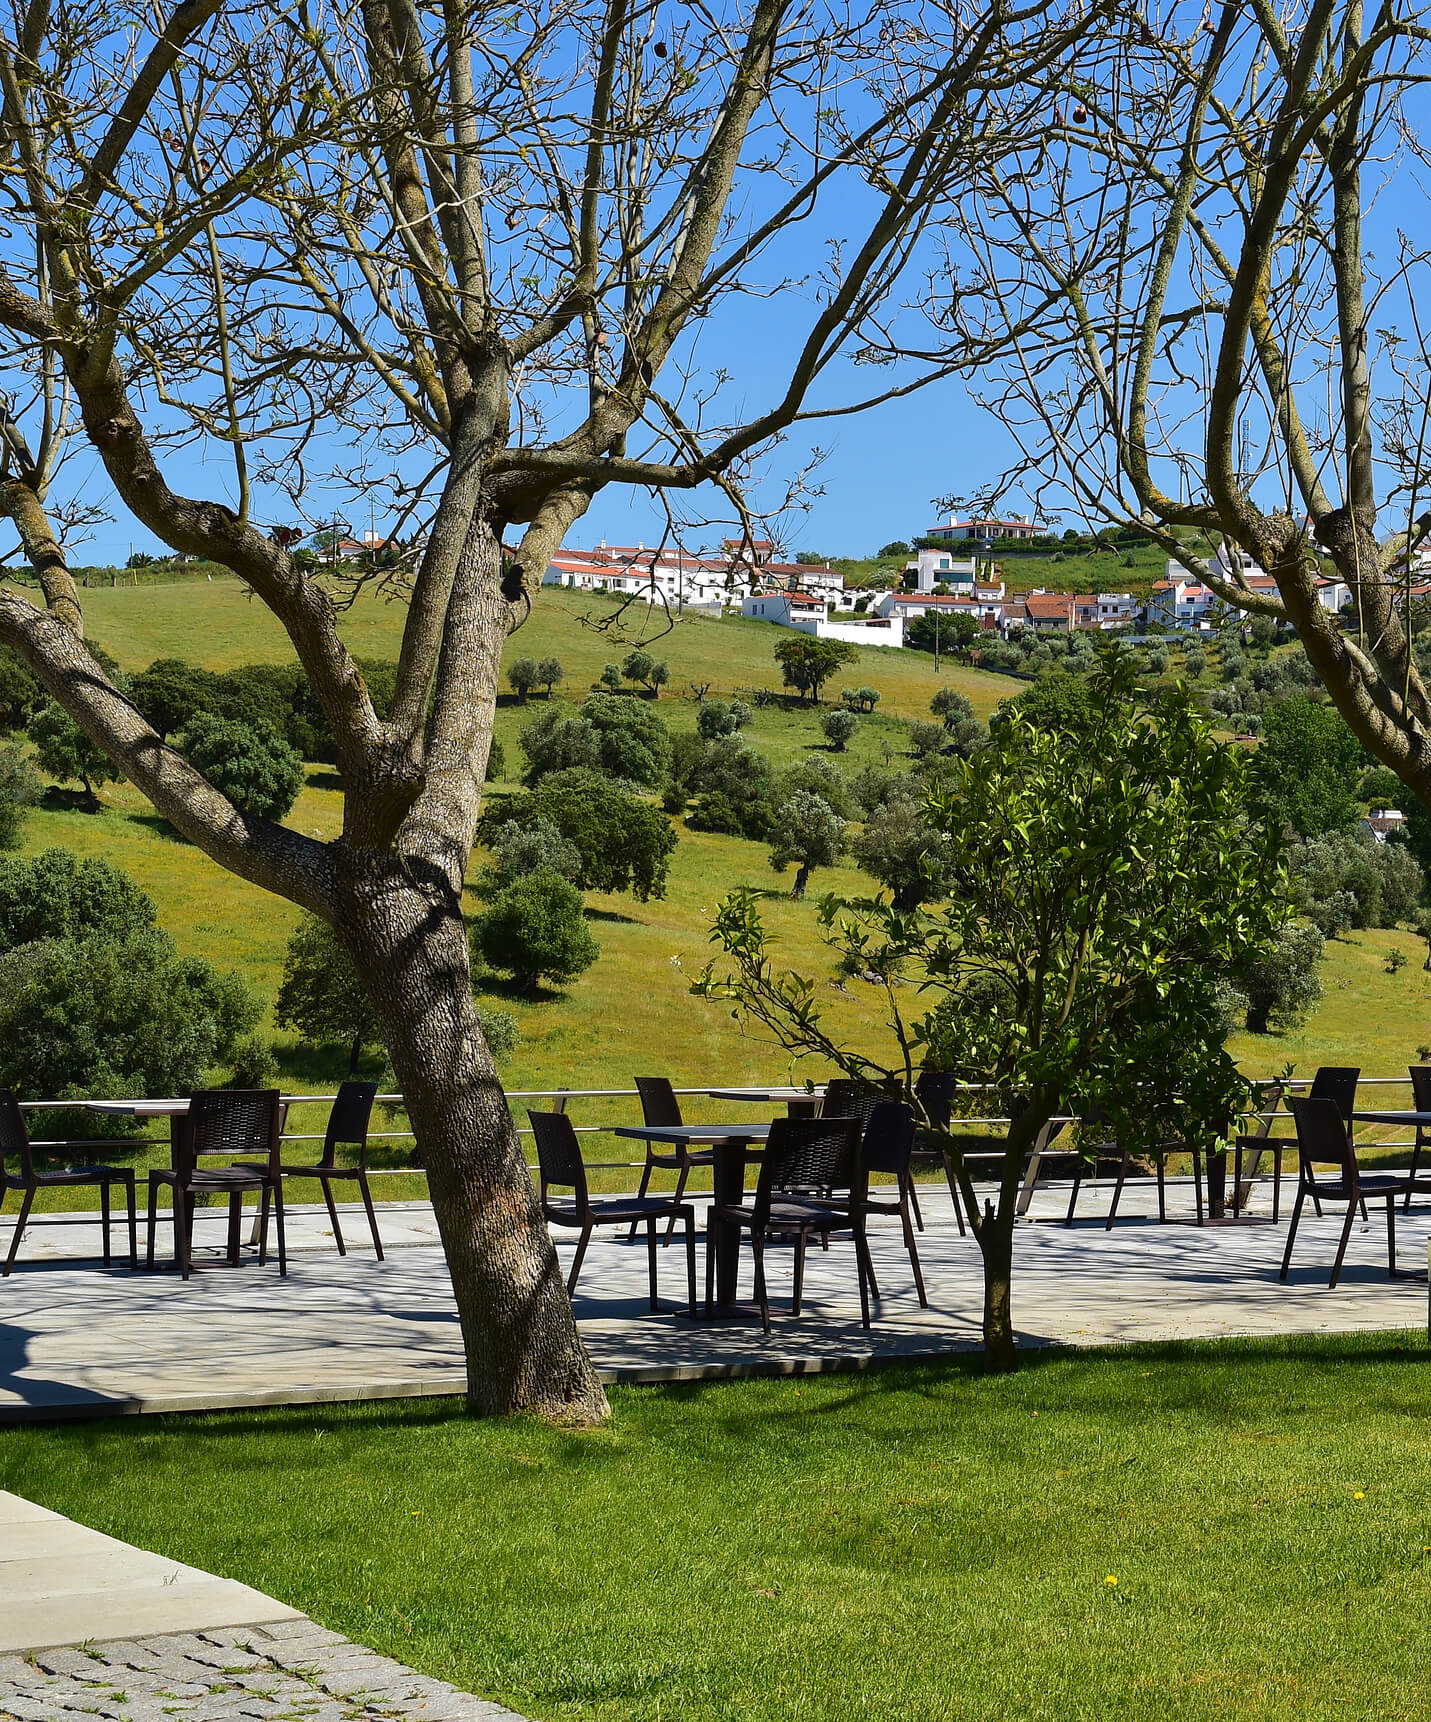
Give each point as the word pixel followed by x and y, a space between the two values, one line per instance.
pixel 1206 1531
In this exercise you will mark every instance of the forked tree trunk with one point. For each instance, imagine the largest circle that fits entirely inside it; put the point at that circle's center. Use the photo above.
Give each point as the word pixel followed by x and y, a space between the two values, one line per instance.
pixel 404 932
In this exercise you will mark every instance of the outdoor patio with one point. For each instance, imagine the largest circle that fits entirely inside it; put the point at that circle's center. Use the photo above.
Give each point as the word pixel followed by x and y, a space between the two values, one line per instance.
pixel 352 1327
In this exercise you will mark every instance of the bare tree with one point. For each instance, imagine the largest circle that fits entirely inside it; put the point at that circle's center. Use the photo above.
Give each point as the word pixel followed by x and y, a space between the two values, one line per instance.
pixel 465 253
pixel 1234 366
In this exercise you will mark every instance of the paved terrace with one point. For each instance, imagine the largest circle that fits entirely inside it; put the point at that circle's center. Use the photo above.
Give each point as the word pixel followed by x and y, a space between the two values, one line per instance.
pixel 77 1340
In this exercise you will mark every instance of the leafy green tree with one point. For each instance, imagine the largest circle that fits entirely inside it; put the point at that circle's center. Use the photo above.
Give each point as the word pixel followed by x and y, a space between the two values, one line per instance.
pixel 951 707
pixel 716 718
pixel 320 996
pixel 807 663
pixel 860 699
pixel 839 728
pixel 899 847
pixel 1059 703
pixel 620 737
pixel 56 895
pixel 808 834
pixel 659 677
pixel 926 738
pixel 1280 986
pixel 1347 879
pixel 258 771
pixel 637 666
pixel 1308 766
pixel 521 846
pixel 522 676
pixel 99 1015
pixel 818 774
pixel 534 929
pixel 20 693
pixel 896 547
pixel 64 752
pixel 734 789
pixel 623 843
pixel 950 633
pixel 20 789
pixel 171 692
pixel 611 678
pixel 1101 887
pixel 549 673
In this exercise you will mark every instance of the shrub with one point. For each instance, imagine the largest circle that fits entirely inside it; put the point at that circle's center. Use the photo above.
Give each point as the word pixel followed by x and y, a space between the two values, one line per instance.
pixel 522 846
pixel 734 789
pixel 808 834
pixel 925 738
pixel 952 707
pixel 522 675
pixel 20 692
pixel 253 766
pixel 622 843
pixel 899 848
pixel 549 673
pixel 839 728
pixel 620 738
pixel 534 928
pixel 64 752
pixel 56 895
pixel 171 692
pixel 20 789
pixel 321 997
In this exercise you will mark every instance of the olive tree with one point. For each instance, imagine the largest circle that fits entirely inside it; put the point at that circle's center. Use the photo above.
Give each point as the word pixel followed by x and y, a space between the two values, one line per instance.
pixel 475 255
pixel 1101 888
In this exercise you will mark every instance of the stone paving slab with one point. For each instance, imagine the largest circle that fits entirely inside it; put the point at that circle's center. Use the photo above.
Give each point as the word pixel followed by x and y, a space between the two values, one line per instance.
pixel 76 1340
pixel 287 1671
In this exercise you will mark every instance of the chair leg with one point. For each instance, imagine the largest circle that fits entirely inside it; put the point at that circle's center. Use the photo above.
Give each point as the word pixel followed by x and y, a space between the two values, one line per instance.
pixel 801 1239
pixel 1073 1193
pixel 15 1236
pixel 651 1258
pixel 864 1272
pixel 577 1260
pixel 680 1191
pixel 1162 1191
pixel 954 1190
pixel 1391 1237
pixel 129 1195
pixel 691 1263
pixel 1342 1246
pixel 1197 1182
pixel 645 1183
pixel 762 1297
pixel 366 1193
pixel 235 1226
pixel 913 1256
pixel 869 1259
pixel 1292 1229
pixel 153 1221
pixel 263 1200
pixel 918 1216
pixel 278 1222
pixel 1123 1165
pixel 327 1184
pixel 184 1230
pixel 104 1217
pixel 710 1266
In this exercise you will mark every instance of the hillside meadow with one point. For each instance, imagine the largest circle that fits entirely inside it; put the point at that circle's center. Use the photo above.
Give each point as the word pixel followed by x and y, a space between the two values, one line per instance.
pixel 631 1011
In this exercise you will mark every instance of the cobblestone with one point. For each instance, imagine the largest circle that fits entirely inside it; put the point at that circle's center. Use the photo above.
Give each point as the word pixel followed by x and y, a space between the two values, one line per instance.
pixel 289 1671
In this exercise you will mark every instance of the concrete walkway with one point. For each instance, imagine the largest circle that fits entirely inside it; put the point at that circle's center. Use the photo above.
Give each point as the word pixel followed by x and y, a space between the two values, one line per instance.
pixel 76 1340
pixel 85 1609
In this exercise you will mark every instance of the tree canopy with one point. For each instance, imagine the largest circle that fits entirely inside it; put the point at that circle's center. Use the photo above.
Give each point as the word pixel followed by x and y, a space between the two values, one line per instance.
pixel 623 843
pixel 807 663
pixel 1308 763
pixel 621 738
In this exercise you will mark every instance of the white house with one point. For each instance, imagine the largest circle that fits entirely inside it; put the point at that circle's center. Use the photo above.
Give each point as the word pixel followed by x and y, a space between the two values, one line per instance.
pixel 1381 822
pixel 1181 602
pixel 932 568
pixel 984 531
pixel 809 615
pixel 785 609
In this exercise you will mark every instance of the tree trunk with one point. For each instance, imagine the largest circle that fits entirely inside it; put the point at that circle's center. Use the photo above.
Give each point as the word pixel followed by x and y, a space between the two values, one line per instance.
pixel 402 926
pixel 802 879
pixel 355 1052
pixel 996 1241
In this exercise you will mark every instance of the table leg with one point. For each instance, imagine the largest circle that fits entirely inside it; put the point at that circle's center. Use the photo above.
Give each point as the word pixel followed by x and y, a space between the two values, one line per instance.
pixel 1217 1185
pixel 728 1179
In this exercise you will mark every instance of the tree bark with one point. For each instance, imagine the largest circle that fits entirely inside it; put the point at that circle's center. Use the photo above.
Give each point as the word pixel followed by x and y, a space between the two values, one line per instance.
pixel 802 879
pixel 402 926
pixel 996 1242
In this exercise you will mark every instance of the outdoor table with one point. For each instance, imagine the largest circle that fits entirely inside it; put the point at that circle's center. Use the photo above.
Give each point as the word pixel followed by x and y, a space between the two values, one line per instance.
pixel 798 1102
pixel 139 1108
pixel 1422 1120
pixel 728 1144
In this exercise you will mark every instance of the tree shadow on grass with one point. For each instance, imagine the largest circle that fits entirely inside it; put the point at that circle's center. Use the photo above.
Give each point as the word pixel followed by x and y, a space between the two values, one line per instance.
pixel 57 800
pixel 325 779
pixel 326 1064
pixel 161 827
pixel 512 991
pixel 612 915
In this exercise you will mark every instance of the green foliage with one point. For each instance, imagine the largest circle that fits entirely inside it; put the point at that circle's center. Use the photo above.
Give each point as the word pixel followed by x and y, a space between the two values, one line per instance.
pixel 321 997
pixel 949 633
pixel 807 663
pixel 926 738
pixel 611 677
pixel 898 847
pixel 808 834
pixel 1347 879
pixel 501 1031
pixel 896 547
pixel 252 1064
pixel 839 728
pixel 716 718
pixel 522 675
pixel 623 843
pixel 64 752
pixel 1059 704
pixel 818 774
pixel 1308 765
pixel 171 692
pixel 534 929
pixel 549 673
pixel 56 895
pixel 1280 985
pixel 496 762
pixel 651 673
pixel 735 790
pixel 623 738
pixel 951 707
pixel 523 844
pixel 862 700
pixel 251 764
pixel 97 1015
pixel 20 789
pixel 20 691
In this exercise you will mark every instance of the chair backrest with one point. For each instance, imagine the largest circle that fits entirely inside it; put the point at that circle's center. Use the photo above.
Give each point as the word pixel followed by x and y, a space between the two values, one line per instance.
pixel 935 1089
pixel 14 1138
pixel 1337 1082
pixel 846 1098
pixel 349 1119
pixel 809 1154
pixel 888 1139
pixel 240 1123
pixel 1421 1086
pixel 658 1101
pixel 558 1154
pixel 1323 1139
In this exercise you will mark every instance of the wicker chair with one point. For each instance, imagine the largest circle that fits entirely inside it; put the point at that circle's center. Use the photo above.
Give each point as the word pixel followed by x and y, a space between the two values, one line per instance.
pixel 1324 1139
pixel 1421 1089
pixel 935 1091
pixel 561 1167
pixel 15 1141
pixel 802 1154
pixel 232 1122
pixel 660 1106
pixel 348 1127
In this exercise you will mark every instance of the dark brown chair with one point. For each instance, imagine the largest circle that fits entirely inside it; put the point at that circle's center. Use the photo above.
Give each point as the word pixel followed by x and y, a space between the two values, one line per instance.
pixel 15 1141
pixel 231 1122
pixel 802 1154
pixel 885 1147
pixel 347 1127
pixel 934 1090
pixel 1324 1139
pixel 561 1167
pixel 1421 1089
pixel 660 1106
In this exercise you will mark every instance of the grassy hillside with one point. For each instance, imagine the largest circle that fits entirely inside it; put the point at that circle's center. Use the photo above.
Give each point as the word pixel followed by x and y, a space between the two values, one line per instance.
pixel 632 1010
